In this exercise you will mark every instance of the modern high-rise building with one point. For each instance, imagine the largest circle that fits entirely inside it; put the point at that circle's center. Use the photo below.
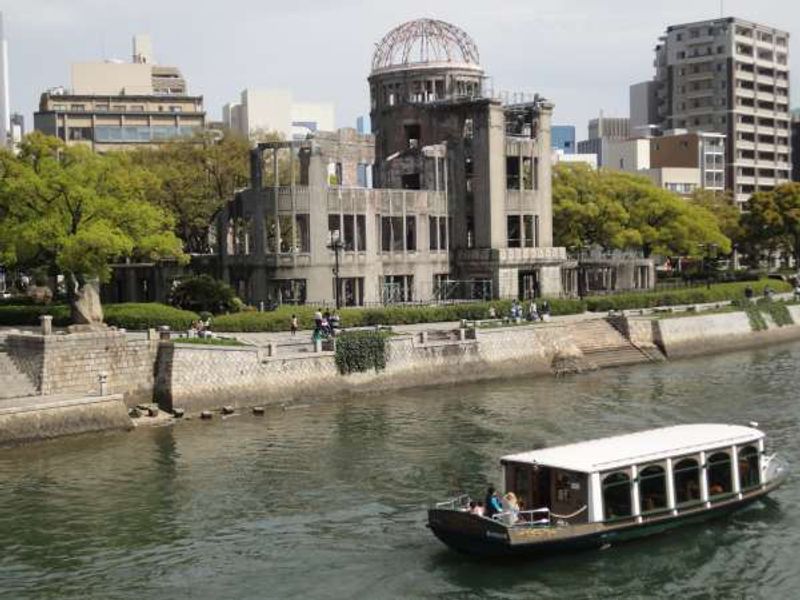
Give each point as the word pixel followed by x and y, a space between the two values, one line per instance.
pixel 796 144
pixel 729 76
pixel 5 108
pixel 269 111
pixel 562 137
pixel 114 105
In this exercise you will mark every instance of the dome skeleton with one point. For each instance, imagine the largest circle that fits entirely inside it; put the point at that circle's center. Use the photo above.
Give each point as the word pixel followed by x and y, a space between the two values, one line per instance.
pixel 433 40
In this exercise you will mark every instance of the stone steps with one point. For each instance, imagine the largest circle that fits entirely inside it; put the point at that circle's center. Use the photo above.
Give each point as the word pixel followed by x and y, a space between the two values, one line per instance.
pixel 604 346
pixel 13 382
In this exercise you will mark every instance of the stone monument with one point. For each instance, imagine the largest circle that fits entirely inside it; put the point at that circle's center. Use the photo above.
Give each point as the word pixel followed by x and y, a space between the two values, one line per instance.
pixel 87 311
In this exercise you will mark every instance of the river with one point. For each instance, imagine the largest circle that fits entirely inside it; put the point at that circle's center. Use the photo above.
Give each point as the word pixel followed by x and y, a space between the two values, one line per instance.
pixel 327 501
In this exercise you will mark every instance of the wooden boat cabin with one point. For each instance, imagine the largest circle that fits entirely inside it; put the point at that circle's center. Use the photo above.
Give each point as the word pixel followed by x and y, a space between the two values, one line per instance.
pixel 596 492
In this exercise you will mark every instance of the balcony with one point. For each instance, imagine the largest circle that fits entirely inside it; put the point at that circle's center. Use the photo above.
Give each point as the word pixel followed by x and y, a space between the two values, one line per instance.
pixel 512 256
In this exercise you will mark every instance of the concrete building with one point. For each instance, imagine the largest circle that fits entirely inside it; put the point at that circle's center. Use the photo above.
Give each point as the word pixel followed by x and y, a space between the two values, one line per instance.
pixel 643 109
pixel 627 155
pixel 114 105
pixel 682 181
pixel 730 76
pixel 703 152
pixel 563 138
pixel 264 111
pixel 17 131
pixel 5 102
pixel 796 144
pixel 462 205
pixel 601 131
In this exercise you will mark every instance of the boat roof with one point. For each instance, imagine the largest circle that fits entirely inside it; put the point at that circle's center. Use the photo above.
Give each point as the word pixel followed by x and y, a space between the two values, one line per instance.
pixel 637 448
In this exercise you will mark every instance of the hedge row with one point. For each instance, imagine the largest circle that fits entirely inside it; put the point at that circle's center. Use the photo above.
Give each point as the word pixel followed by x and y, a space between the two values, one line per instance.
pixel 280 319
pixel 129 316
pixel 717 293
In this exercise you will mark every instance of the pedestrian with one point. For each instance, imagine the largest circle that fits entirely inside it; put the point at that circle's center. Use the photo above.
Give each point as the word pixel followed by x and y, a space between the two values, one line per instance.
pixel 533 311
pixel 294 325
pixel 492 312
pixel 492 504
pixel 546 310
pixel 748 292
pixel 318 318
pixel 797 291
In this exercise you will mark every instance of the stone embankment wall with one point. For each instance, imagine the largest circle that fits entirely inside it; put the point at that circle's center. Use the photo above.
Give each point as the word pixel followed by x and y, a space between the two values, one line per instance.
pixel 73 363
pixel 36 419
pixel 195 378
pixel 707 334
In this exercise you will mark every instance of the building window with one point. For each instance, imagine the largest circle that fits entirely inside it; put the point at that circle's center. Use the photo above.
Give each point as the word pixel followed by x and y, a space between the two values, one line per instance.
pixel 513 232
pixel 411 233
pixel 351 290
pixel 77 107
pixel 433 233
pixel 529 240
pixel 80 133
pixel 291 291
pixel 175 109
pixel 512 172
pixel 392 234
pixel 398 288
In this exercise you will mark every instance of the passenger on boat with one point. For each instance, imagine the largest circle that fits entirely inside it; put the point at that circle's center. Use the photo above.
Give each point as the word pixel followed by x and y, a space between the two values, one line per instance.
pixel 475 508
pixel 493 504
pixel 510 508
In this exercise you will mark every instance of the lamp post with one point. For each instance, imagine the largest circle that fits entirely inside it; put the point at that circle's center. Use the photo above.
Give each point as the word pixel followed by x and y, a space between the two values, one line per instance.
pixel 579 251
pixel 336 245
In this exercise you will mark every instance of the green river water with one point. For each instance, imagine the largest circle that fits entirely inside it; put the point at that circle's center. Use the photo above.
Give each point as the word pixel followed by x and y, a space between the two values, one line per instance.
pixel 328 501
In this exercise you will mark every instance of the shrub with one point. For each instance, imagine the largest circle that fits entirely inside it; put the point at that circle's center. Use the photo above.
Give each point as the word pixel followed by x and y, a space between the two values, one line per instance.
pixel 717 293
pixel 204 293
pixel 147 315
pixel 21 314
pixel 280 319
pixel 209 341
pixel 360 351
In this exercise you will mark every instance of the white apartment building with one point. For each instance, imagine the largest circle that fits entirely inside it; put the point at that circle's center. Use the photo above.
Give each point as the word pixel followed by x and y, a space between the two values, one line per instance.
pixel 276 110
pixel 732 77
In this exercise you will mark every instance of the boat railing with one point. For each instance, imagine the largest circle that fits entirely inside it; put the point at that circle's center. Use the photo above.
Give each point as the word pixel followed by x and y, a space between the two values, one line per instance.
pixel 455 503
pixel 537 517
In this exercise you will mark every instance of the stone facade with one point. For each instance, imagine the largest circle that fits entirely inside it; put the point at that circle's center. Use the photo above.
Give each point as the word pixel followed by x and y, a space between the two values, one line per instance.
pixel 196 378
pixel 73 363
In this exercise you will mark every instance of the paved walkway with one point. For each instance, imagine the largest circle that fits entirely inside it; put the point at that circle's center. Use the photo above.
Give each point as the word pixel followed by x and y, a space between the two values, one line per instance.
pixel 302 341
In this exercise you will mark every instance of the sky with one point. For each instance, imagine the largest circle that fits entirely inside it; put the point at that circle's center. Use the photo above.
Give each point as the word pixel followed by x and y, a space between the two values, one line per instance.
pixel 581 54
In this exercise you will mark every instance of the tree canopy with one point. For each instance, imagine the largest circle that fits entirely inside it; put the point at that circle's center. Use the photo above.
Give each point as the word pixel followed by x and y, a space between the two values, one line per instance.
pixel 196 177
pixel 76 212
pixel 622 211
pixel 772 221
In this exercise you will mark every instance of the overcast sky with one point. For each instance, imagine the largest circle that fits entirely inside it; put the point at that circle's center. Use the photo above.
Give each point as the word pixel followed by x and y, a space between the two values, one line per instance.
pixel 582 54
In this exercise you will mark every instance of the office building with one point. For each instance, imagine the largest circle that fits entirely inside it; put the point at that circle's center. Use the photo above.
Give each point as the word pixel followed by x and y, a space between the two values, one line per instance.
pixel 643 116
pixel 114 105
pixel 267 111
pixel 5 102
pixel 601 131
pixel 796 144
pixel 730 76
pixel 17 131
pixel 563 138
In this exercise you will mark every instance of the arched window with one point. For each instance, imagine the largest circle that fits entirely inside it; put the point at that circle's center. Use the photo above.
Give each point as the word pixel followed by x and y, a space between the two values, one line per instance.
pixel 686 479
pixel 748 467
pixel 719 474
pixel 652 489
pixel 617 496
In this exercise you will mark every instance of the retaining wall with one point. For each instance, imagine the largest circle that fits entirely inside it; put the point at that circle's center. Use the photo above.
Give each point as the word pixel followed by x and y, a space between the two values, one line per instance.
pixel 72 363
pixel 35 419
pixel 195 378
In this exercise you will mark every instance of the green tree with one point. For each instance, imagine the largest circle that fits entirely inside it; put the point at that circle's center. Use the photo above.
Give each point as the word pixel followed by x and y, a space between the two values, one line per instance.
pixel 75 212
pixel 203 293
pixel 617 210
pixel 772 221
pixel 197 176
pixel 724 210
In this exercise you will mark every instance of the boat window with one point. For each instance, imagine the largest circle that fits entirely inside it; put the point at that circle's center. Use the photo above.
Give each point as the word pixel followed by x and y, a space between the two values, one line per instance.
pixel 686 477
pixel 617 496
pixel 719 474
pixel 748 467
pixel 652 488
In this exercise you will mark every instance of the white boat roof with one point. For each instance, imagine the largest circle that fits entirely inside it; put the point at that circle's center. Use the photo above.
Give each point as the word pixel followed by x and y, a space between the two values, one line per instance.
pixel 637 448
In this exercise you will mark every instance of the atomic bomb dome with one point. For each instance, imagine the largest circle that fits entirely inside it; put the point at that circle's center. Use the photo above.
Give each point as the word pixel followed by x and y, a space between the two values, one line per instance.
pixel 424 42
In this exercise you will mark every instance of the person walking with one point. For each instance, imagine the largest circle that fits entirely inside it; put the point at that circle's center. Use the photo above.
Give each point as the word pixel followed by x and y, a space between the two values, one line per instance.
pixel 294 325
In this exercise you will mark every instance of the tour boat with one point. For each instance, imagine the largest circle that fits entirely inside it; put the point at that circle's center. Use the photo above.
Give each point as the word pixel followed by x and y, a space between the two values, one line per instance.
pixel 599 492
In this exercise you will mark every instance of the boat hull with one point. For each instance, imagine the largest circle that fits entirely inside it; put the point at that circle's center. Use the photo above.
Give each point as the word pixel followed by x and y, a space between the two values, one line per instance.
pixel 478 536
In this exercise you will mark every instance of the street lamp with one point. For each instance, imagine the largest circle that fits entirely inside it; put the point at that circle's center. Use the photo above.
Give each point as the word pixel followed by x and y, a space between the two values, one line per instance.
pixel 336 245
